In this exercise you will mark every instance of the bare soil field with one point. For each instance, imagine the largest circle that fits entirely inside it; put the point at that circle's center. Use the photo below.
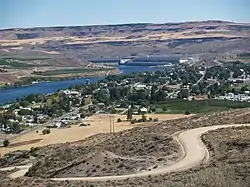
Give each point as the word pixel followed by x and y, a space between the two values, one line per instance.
pixel 18 144
pixel 99 124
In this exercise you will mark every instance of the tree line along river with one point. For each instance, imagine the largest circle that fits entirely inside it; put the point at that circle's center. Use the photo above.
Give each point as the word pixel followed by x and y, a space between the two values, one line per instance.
pixel 8 95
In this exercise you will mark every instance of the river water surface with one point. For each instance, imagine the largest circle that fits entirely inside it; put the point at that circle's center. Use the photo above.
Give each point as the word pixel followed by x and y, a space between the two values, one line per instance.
pixel 12 94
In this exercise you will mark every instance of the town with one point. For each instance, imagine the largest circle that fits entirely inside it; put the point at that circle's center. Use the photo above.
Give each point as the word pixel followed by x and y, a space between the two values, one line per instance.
pixel 183 89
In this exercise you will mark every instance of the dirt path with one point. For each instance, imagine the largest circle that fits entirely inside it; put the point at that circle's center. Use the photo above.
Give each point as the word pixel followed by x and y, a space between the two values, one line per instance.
pixel 195 154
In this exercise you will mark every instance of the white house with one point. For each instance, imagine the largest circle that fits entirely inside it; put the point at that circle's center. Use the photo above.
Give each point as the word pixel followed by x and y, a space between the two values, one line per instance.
pixel 143 109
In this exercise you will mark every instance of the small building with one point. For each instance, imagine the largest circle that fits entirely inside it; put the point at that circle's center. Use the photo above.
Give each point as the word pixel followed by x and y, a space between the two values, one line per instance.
pixel 143 110
pixel 140 87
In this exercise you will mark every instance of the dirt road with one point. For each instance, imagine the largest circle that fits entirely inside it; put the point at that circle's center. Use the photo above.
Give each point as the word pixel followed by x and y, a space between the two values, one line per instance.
pixel 194 150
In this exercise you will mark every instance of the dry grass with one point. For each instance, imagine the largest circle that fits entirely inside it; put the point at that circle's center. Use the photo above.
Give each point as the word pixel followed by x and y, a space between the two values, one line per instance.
pixel 152 141
pixel 229 149
pixel 99 124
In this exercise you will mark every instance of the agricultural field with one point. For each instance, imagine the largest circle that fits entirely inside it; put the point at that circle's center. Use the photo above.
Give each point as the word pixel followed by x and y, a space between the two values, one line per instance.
pixel 197 106
pixel 16 65
pixel 70 71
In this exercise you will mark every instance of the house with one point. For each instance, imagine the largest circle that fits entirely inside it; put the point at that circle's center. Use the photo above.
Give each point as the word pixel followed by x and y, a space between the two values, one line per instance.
pixel 69 93
pixel 101 105
pixel 143 110
pixel 140 87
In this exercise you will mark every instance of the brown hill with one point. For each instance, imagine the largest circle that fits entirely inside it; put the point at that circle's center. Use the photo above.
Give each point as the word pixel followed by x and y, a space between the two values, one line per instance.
pixel 208 37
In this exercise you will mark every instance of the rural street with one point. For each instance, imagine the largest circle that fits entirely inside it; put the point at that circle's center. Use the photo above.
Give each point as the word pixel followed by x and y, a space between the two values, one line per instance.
pixel 194 150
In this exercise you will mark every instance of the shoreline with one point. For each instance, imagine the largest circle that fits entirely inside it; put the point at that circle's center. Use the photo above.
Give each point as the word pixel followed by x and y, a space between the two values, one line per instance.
pixel 58 78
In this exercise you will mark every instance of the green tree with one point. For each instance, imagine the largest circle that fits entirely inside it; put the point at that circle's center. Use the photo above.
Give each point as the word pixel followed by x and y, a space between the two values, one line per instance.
pixel 6 143
pixel 23 112
pixel 24 103
pixel 184 93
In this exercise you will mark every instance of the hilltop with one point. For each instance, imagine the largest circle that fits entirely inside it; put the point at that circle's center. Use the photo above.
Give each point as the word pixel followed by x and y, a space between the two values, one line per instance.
pixel 213 37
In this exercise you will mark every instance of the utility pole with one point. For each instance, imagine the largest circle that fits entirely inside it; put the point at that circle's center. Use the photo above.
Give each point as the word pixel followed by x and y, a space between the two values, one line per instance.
pixel 112 124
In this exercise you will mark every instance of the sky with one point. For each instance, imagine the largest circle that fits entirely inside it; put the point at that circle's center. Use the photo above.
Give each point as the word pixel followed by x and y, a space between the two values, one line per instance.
pixel 39 13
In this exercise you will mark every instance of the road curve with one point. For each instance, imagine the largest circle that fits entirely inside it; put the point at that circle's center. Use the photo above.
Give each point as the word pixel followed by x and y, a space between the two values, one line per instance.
pixel 194 150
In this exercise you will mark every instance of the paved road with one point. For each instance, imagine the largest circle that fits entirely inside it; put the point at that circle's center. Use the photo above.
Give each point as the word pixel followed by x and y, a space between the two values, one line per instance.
pixel 194 150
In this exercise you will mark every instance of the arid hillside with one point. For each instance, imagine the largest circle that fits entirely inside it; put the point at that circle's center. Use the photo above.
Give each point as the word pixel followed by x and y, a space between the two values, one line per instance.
pixel 188 38
pixel 143 148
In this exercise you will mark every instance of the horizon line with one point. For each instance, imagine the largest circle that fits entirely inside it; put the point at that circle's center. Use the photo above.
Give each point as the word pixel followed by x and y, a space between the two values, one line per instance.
pixel 128 23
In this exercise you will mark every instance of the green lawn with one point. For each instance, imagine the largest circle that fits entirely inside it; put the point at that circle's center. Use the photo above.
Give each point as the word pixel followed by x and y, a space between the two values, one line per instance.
pixel 176 106
pixel 70 71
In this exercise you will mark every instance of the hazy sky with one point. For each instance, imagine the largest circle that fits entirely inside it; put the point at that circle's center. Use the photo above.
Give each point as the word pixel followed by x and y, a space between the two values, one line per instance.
pixel 33 13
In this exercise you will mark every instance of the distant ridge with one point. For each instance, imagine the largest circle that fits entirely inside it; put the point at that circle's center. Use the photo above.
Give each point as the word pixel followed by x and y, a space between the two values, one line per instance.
pixel 118 25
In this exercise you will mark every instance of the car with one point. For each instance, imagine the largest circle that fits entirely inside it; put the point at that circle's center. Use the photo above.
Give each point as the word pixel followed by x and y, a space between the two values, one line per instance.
pixel 84 124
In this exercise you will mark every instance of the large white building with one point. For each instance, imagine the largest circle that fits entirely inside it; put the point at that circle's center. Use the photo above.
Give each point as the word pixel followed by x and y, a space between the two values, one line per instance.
pixel 234 97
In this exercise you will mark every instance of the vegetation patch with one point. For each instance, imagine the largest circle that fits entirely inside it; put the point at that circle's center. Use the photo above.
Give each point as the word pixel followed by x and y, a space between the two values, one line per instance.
pixel 175 106
pixel 18 65
pixel 70 71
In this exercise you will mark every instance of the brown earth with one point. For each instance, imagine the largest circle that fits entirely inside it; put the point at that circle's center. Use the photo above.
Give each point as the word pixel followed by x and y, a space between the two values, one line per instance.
pixel 208 37
pixel 72 46
pixel 153 141
pixel 99 124
pixel 228 166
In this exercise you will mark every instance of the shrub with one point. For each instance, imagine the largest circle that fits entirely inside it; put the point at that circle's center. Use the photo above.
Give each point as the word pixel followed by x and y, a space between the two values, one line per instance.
pixel 33 151
pixel 164 108
pixel 133 121
pixel 6 143
pixel 187 112
pixel 46 131
pixel 150 119
pixel 153 109
pixel 156 119
pixel 119 120
pixel 144 118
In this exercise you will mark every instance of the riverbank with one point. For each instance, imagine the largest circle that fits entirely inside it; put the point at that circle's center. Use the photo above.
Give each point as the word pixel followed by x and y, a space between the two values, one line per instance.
pixel 50 86
pixel 28 81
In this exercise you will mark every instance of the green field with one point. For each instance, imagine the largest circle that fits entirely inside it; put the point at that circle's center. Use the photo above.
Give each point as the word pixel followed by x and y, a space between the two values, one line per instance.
pixel 70 71
pixel 238 87
pixel 175 106
pixel 18 65
pixel 26 59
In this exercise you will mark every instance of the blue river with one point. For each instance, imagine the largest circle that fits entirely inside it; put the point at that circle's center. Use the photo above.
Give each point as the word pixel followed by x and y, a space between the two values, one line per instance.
pixel 9 95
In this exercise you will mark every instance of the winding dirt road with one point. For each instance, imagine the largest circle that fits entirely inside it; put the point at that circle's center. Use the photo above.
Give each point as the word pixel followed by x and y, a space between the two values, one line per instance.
pixel 194 150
